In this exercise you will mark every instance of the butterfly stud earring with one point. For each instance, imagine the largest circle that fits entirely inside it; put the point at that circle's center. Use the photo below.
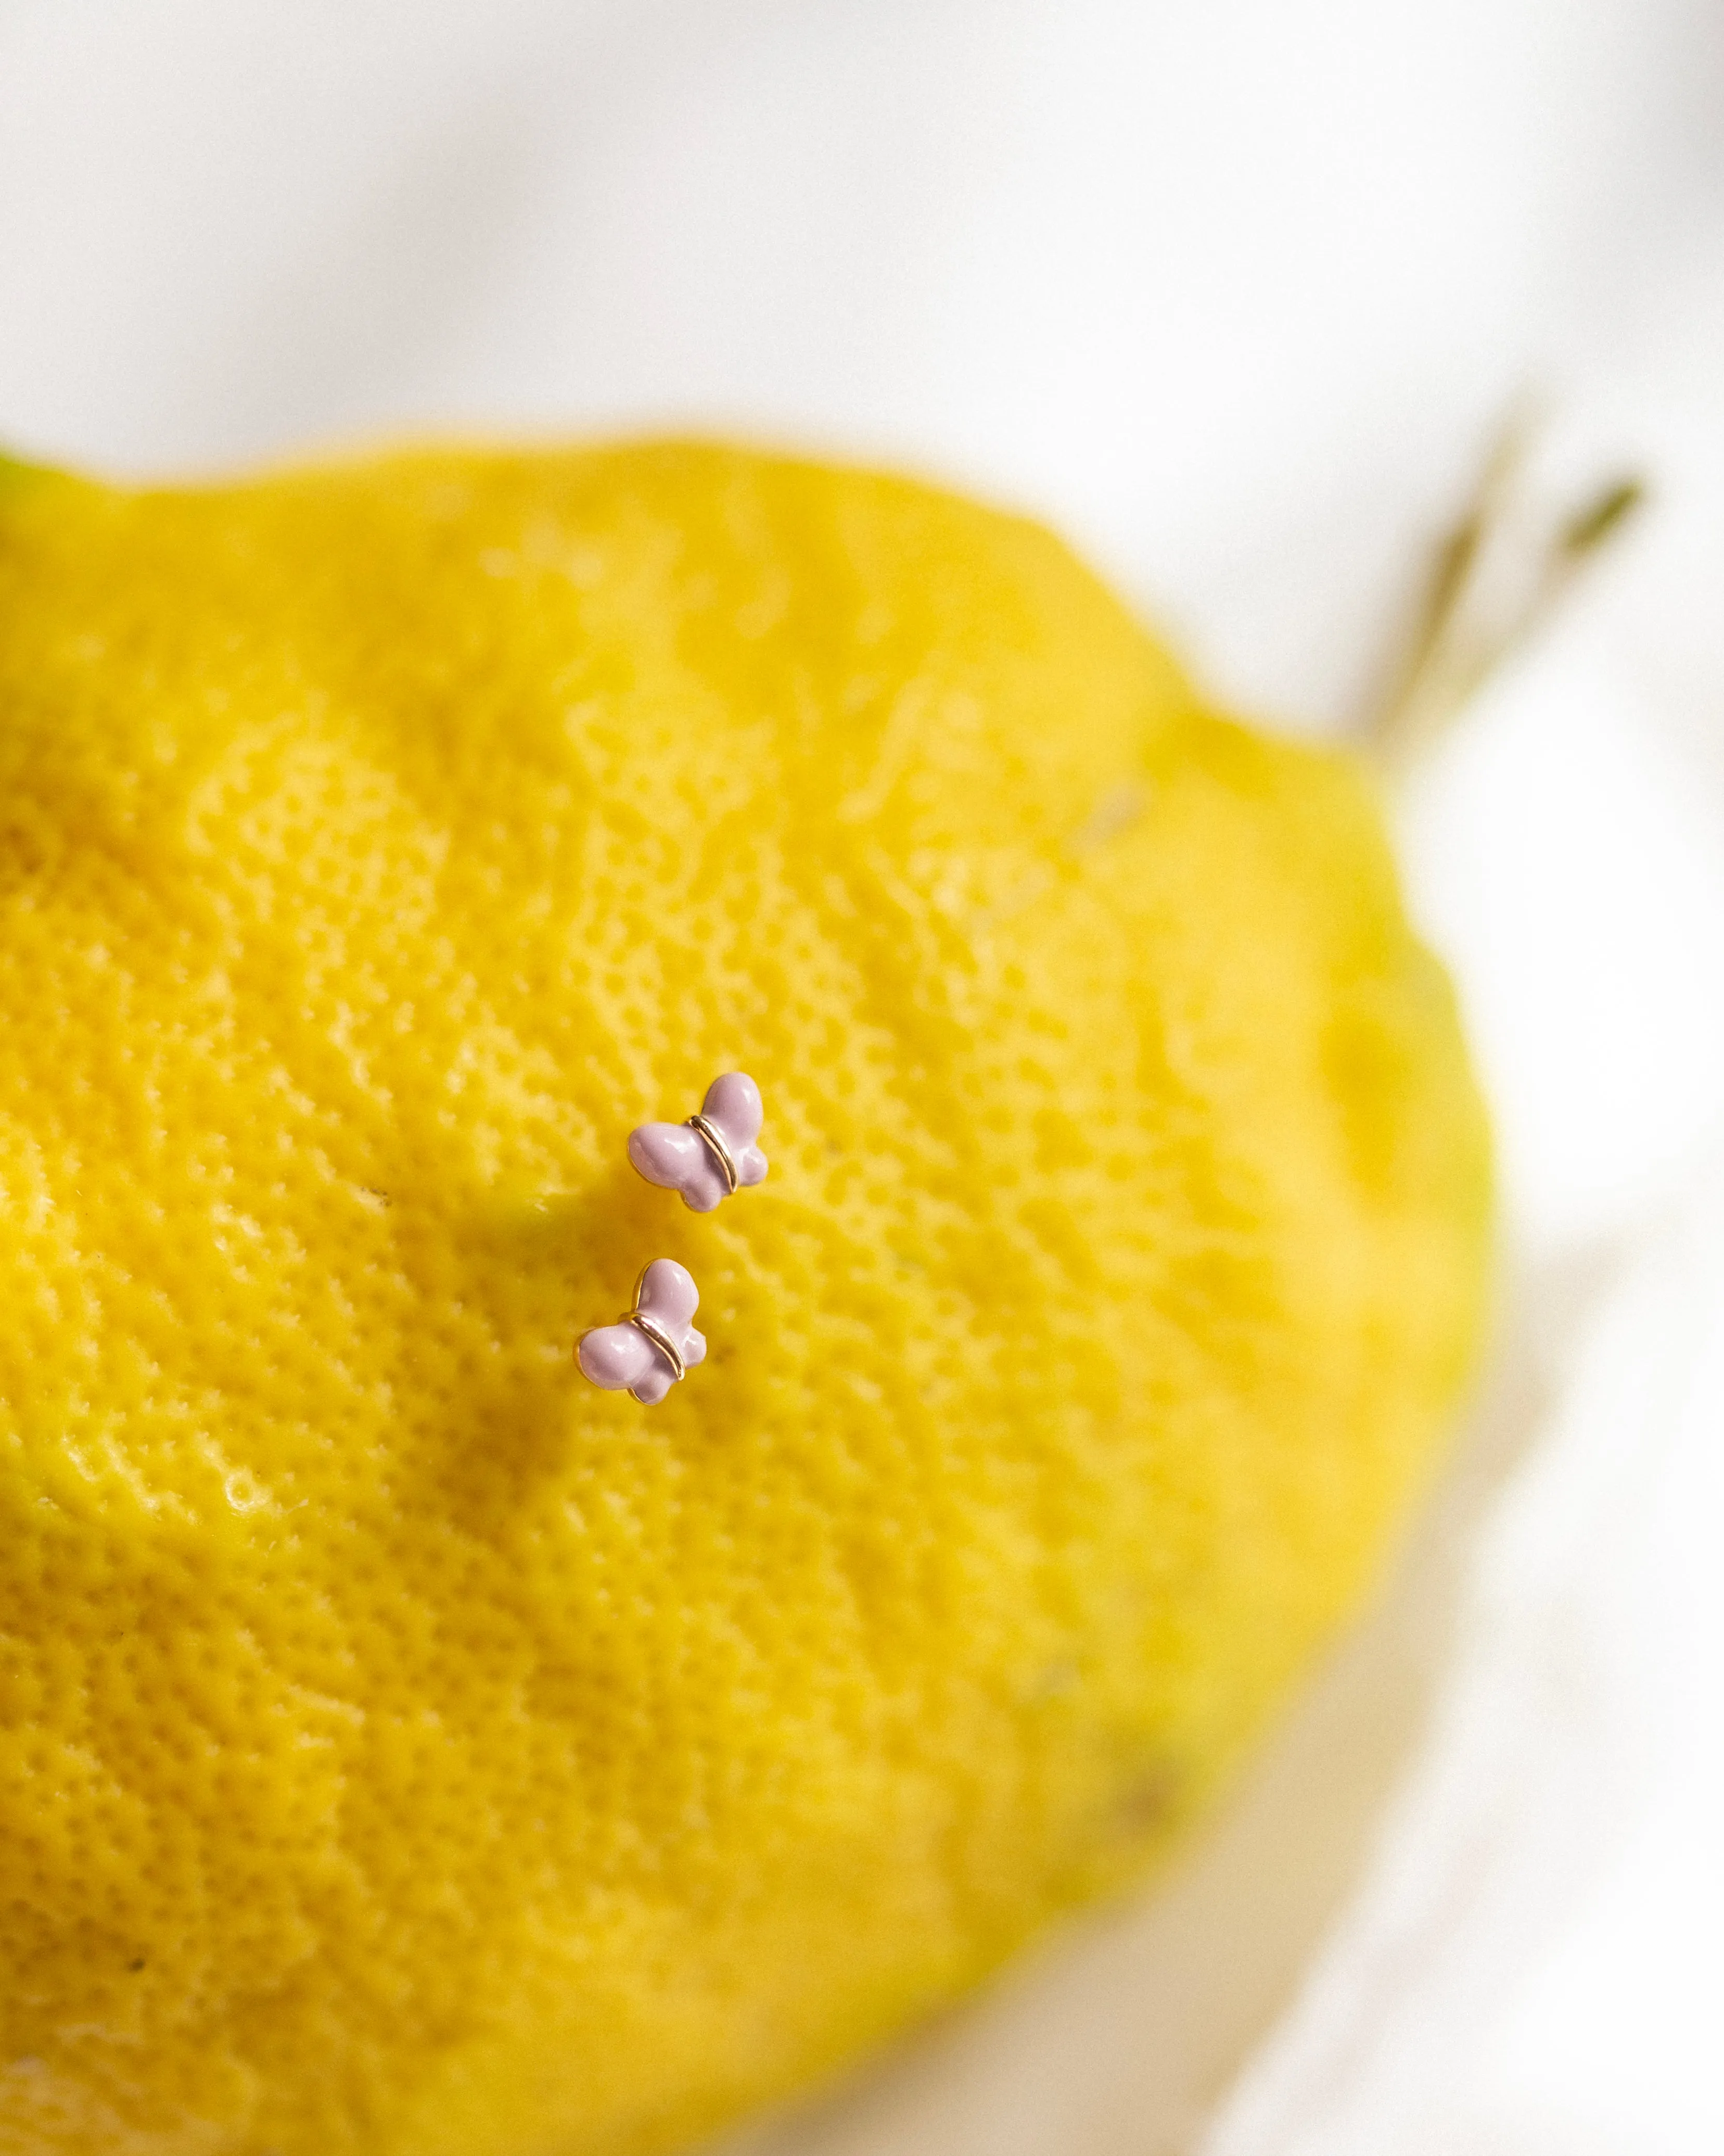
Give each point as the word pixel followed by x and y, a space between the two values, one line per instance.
pixel 713 1155
pixel 653 1347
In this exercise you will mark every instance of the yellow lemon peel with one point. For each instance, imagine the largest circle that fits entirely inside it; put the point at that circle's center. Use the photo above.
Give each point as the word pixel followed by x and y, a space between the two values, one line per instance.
pixel 407 1748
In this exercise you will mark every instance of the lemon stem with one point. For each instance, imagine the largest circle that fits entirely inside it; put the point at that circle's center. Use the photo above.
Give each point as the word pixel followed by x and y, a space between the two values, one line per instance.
pixel 1492 587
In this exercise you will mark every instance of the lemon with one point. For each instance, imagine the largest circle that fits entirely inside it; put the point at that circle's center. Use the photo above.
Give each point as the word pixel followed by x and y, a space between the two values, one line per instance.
pixel 405 1747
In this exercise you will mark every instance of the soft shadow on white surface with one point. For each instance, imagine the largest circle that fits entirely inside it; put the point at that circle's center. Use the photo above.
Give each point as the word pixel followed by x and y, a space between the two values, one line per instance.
pixel 1532 1964
pixel 1230 294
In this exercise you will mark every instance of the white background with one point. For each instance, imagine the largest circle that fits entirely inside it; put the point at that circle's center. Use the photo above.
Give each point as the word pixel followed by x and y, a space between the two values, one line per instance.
pixel 1232 293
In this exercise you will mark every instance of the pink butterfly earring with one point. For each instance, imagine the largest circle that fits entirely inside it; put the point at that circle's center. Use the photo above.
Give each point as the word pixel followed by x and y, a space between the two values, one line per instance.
pixel 713 1155
pixel 651 1347
pixel 709 1158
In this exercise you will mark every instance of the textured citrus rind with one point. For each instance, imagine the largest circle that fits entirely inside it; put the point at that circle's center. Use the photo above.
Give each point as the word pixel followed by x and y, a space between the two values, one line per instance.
pixel 405 1747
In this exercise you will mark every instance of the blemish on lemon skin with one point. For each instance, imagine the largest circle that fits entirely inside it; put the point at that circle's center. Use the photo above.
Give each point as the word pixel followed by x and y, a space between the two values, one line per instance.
pixel 1121 806
pixel 244 1491
pixel 467 1754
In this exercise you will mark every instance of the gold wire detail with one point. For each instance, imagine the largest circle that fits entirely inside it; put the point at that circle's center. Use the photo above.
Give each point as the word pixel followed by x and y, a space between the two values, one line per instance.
pixel 720 1151
pixel 660 1339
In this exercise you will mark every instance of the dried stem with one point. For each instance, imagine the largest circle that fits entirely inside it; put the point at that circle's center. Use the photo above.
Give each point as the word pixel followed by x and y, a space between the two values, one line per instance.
pixel 1489 592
